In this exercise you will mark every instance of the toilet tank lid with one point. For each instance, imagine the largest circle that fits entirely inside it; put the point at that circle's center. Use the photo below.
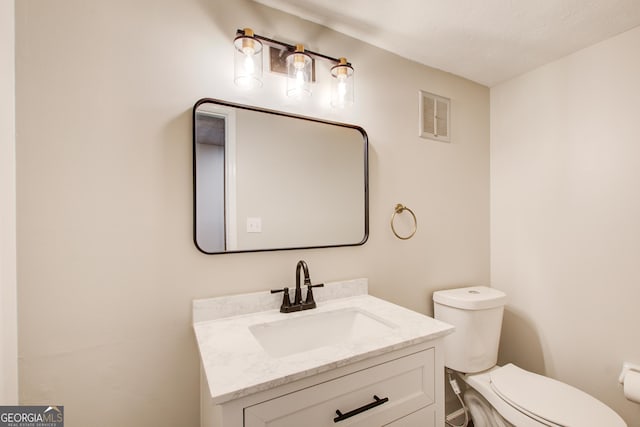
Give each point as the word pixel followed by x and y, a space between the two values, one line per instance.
pixel 471 298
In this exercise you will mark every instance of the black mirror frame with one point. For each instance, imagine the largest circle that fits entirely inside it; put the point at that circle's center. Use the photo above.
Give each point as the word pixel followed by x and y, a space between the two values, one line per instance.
pixel 280 113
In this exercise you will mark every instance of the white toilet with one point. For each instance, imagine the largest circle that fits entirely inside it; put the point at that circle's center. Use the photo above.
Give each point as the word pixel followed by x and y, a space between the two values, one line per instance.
pixel 507 395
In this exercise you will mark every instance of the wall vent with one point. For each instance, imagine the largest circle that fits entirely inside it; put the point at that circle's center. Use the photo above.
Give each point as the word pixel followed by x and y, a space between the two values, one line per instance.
pixel 435 117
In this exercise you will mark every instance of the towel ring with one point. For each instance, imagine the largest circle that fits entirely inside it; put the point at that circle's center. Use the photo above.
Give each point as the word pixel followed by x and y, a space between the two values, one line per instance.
pixel 399 209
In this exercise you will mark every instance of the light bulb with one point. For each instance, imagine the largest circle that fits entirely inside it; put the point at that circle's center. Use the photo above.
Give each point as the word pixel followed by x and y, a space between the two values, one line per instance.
pixel 249 65
pixel 342 88
pixel 247 47
pixel 299 79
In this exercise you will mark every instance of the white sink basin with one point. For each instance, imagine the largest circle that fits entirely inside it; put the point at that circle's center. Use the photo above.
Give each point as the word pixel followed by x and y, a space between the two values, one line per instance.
pixel 307 332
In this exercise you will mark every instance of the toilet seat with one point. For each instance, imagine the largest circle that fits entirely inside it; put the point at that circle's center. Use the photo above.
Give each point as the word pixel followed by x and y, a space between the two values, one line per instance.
pixel 548 401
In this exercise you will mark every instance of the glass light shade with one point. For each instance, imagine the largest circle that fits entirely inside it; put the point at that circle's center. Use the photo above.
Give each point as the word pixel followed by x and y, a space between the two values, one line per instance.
pixel 248 61
pixel 342 84
pixel 299 74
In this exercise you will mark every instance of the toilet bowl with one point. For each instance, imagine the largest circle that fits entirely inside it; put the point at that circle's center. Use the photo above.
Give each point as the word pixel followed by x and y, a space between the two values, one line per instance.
pixel 503 396
pixel 481 411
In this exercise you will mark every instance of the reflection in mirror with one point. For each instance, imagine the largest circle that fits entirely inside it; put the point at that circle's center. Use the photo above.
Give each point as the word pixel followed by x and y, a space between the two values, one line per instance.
pixel 266 180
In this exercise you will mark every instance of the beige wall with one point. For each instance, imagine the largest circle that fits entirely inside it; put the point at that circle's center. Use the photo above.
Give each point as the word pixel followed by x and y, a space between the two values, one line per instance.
pixel 8 313
pixel 107 268
pixel 565 217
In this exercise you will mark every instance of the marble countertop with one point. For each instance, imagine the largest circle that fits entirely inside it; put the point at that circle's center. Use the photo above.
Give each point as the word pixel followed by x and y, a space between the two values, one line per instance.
pixel 236 365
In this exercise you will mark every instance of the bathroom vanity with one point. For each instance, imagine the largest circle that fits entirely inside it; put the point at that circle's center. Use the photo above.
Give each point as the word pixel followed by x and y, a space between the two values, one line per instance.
pixel 355 360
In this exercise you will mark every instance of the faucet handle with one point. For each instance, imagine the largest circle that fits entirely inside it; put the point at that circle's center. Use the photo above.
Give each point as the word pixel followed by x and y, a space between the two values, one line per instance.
pixel 286 302
pixel 309 301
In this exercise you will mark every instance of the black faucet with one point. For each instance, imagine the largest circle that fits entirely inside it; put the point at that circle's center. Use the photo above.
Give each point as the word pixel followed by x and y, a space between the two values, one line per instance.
pixel 297 299
pixel 298 304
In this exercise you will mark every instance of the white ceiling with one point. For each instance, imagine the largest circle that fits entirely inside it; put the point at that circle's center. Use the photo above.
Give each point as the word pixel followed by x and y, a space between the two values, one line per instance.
pixel 487 41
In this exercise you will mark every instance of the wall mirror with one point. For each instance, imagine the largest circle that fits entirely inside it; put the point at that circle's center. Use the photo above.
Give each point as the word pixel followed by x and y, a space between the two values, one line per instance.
pixel 266 180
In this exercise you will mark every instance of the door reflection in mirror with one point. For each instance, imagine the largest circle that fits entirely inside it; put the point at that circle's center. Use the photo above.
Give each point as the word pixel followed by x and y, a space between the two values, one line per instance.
pixel 210 152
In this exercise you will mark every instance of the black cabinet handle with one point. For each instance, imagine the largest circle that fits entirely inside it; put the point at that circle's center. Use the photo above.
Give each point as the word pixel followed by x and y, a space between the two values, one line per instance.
pixel 377 402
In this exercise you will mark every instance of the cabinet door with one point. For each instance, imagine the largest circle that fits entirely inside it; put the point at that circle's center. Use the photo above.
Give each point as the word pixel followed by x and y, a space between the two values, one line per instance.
pixel 425 417
pixel 407 383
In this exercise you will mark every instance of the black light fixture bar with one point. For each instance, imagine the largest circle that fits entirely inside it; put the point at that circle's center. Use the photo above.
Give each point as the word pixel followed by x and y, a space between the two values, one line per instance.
pixel 291 48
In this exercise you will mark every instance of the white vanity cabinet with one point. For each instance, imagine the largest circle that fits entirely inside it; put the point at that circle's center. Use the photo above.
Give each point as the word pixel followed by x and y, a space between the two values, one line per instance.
pixel 354 360
pixel 407 385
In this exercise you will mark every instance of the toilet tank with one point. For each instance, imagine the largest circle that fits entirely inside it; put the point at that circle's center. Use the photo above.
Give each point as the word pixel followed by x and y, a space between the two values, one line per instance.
pixel 476 312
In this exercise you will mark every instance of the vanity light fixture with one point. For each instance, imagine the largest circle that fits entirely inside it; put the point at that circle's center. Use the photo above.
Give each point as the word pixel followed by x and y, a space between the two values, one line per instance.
pixel 342 84
pixel 248 68
pixel 298 73
pixel 248 60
